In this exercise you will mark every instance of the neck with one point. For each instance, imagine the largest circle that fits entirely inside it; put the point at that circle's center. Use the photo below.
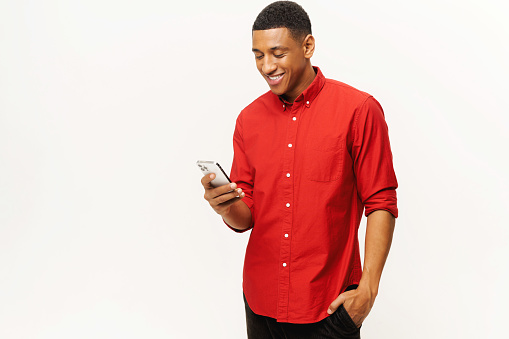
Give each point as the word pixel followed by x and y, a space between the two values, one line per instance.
pixel 307 78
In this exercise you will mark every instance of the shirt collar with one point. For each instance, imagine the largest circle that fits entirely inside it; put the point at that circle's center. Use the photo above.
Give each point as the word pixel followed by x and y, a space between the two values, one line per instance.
pixel 310 93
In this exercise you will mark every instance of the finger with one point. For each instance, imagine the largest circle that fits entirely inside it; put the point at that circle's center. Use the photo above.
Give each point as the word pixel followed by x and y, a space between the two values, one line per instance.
pixel 220 208
pixel 218 191
pixel 215 192
pixel 206 179
pixel 223 198
pixel 225 205
pixel 336 303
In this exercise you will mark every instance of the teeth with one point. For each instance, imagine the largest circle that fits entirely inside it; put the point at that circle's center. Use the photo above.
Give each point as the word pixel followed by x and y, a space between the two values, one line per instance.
pixel 276 77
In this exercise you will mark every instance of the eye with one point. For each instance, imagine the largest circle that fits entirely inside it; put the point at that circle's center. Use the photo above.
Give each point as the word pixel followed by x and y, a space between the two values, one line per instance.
pixel 259 57
pixel 279 55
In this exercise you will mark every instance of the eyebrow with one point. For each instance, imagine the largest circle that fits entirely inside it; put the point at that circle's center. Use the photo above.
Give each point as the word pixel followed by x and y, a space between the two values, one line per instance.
pixel 272 49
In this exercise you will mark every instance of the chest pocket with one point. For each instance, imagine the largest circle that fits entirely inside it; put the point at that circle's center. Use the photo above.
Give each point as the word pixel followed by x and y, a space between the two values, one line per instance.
pixel 324 159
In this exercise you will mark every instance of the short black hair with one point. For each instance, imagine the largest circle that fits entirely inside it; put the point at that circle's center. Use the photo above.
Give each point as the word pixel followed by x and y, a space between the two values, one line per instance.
pixel 287 14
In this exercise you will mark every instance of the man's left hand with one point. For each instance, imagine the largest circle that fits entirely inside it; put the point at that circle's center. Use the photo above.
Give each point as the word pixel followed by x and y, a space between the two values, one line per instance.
pixel 357 303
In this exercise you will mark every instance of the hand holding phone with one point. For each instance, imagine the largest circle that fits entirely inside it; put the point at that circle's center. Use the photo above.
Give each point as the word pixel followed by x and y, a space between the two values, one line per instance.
pixel 220 192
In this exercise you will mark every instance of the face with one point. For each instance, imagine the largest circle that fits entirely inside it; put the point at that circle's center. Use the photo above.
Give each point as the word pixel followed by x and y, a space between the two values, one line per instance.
pixel 283 62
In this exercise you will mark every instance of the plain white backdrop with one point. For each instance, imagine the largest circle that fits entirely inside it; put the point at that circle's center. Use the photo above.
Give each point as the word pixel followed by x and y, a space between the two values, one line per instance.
pixel 105 106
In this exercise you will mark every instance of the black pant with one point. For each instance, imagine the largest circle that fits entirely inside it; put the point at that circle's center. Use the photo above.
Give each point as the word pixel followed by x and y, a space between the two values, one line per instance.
pixel 338 325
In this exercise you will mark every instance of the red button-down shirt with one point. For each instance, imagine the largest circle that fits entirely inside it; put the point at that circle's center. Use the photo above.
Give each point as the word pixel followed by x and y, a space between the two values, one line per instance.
pixel 309 169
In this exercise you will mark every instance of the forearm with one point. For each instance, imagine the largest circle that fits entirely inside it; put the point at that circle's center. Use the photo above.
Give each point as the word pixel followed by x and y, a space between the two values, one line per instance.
pixel 379 231
pixel 238 216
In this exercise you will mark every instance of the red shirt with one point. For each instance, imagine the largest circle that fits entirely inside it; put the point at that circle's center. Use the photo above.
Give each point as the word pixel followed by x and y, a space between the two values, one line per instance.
pixel 309 169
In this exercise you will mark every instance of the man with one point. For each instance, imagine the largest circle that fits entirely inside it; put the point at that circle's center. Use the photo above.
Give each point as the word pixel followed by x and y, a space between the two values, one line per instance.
pixel 310 156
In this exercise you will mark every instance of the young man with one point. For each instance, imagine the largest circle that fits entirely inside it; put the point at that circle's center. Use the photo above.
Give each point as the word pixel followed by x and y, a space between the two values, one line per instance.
pixel 310 156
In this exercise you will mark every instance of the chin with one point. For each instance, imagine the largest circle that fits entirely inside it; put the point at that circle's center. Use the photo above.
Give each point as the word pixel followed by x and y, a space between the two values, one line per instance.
pixel 277 91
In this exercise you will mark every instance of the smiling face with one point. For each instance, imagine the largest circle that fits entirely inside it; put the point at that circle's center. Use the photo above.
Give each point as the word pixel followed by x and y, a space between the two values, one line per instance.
pixel 284 62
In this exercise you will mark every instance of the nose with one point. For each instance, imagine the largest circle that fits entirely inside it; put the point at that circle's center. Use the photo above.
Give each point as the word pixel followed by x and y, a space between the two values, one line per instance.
pixel 268 66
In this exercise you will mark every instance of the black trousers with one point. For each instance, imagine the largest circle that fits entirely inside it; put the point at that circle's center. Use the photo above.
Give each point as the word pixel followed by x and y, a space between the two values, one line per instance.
pixel 338 325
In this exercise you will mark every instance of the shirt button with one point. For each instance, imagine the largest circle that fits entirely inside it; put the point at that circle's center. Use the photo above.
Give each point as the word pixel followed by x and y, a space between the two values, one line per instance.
pixel 287 204
pixel 284 264
pixel 287 175
pixel 286 235
pixel 307 102
pixel 283 105
pixel 294 118
pixel 290 145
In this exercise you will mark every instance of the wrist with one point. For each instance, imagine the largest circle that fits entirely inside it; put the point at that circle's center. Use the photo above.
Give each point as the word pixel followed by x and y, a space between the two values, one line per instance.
pixel 369 283
pixel 237 216
pixel 224 213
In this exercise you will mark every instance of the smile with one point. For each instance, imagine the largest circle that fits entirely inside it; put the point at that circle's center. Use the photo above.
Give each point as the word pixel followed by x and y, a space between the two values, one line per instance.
pixel 274 80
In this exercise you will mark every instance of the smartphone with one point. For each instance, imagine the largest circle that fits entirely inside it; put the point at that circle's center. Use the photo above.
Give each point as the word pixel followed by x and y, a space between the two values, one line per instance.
pixel 208 167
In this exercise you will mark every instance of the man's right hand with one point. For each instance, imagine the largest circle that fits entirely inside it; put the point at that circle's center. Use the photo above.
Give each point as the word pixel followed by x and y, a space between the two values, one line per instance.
pixel 223 197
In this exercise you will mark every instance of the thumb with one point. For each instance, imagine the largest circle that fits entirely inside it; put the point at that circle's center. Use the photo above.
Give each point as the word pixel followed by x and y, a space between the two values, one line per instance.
pixel 336 303
pixel 206 179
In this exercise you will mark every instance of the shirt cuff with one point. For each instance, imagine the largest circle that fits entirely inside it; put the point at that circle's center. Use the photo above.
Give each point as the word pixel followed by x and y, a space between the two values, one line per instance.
pixel 382 200
pixel 236 230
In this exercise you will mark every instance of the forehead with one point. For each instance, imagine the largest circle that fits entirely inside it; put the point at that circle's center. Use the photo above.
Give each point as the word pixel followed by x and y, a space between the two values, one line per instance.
pixel 268 38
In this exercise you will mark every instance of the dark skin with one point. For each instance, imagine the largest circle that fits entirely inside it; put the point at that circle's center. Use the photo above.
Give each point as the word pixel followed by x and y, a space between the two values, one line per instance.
pixel 286 60
pixel 278 53
pixel 358 303
pixel 228 205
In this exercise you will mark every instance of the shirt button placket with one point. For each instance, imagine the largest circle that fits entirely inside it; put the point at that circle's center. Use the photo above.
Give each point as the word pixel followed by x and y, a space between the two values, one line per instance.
pixel 288 192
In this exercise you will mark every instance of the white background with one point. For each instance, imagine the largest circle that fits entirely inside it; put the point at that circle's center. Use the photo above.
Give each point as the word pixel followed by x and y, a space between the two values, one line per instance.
pixel 106 105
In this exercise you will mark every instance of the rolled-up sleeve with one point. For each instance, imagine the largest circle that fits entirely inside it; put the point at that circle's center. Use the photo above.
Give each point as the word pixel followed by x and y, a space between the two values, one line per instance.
pixel 241 172
pixel 372 158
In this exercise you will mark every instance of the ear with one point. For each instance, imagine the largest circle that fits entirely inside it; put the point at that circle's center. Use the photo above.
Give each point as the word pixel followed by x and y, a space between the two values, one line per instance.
pixel 308 45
